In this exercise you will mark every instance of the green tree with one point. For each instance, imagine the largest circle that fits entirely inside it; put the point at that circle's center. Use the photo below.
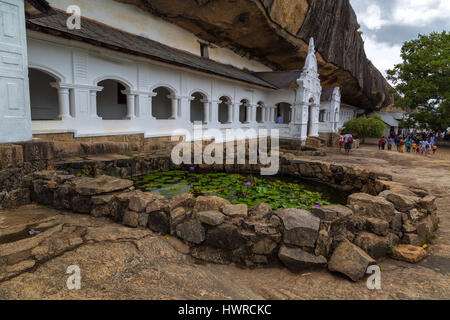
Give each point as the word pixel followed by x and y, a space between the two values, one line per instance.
pixel 422 80
pixel 365 127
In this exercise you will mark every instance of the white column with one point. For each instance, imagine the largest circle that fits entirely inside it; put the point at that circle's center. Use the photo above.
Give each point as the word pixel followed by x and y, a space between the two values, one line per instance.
pixel 205 111
pixel 215 112
pixel 230 113
pixel 64 103
pixel 131 106
pixel 248 117
pixel 236 112
pixel 185 108
pixel 254 110
pixel 174 107
pixel 143 103
pixel 272 114
pixel 93 103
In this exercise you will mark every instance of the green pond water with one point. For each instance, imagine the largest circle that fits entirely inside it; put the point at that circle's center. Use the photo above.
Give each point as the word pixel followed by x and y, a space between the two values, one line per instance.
pixel 279 192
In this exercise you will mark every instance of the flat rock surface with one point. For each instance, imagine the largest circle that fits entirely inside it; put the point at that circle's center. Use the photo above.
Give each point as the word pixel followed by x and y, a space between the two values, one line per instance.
pixel 87 186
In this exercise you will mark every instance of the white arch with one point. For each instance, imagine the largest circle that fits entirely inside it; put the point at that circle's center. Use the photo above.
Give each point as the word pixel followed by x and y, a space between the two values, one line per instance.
pixel 171 89
pixel 204 93
pixel 245 98
pixel 230 99
pixel 51 72
pixel 120 79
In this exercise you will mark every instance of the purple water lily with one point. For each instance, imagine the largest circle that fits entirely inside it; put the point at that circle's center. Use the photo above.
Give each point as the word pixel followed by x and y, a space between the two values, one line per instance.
pixel 248 184
pixel 191 169
pixel 317 206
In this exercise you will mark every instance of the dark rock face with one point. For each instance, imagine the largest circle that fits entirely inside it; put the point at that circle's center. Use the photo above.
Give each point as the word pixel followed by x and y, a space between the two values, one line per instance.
pixel 191 231
pixel 276 33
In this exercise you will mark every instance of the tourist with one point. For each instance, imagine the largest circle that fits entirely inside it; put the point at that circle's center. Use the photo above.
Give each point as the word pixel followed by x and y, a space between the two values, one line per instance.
pixel 402 147
pixel 424 146
pixel 348 142
pixel 435 149
pixel 380 143
pixel 341 142
pixel 280 119
pixel 390 144
pixel 408 145
pixel 414 146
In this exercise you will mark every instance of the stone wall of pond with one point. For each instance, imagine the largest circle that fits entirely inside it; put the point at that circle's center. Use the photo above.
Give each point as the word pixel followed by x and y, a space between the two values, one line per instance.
pixel 345 239
pixel 141 156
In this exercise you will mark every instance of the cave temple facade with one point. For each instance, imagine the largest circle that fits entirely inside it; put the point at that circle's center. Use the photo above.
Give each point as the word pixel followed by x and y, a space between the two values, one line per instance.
pixel 142 75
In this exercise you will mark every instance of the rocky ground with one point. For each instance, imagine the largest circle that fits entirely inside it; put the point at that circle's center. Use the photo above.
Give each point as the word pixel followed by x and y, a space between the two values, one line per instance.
pixel 121 263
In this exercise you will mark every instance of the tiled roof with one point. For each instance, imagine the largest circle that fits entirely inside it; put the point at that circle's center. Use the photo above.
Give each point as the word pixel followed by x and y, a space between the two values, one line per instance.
pixel 280 79
pixel 109 37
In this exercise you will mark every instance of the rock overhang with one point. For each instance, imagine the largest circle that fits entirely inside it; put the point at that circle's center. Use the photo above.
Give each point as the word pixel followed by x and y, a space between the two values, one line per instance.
pixel 276 33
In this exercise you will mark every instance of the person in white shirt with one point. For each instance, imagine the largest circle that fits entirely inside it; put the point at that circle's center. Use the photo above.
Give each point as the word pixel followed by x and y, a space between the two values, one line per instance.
pixel 348 142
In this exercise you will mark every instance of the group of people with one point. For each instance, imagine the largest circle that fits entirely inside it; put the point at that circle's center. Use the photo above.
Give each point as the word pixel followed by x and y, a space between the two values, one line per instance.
pixel 346 142
pixel 421 143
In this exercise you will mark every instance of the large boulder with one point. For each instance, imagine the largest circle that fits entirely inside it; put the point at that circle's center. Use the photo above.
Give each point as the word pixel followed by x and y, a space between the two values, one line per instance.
pixel 266 246
pixel 409 253
pixel 401 202
pixel 375 246
pixel 330 213
pixel 140 200
pixel 186 200
pixel 297 260
pixel 208 203
pixel 131 219
pixel 211 218
pixel 236 211
pixel 301 228
pixel 191 231
pixel 177 216
pixel 378 226
pixel 428 203
pixel 350 260
pixel 372 206
pixel 158 221
pixel 261 211
pixel 225 237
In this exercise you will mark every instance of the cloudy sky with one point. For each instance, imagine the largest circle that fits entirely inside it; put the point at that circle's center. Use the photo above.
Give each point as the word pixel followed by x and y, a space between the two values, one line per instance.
pixel 386 24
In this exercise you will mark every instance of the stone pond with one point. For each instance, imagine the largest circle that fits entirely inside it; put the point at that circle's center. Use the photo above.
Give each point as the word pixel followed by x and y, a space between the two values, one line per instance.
pixel 380 218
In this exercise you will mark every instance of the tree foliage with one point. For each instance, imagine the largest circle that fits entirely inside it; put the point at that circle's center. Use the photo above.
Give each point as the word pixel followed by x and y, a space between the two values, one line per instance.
pixel 364 127
pixel 422 80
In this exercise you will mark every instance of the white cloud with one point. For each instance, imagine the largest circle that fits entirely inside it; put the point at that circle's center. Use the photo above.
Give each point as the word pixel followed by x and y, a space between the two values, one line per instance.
pixel 383 55
pixel 371 18
pixel 420 12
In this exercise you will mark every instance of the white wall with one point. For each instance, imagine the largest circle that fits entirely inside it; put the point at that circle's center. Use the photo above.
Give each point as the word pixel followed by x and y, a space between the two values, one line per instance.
pixel 80 68
pixel 15 117
pixel 347 113
pixel 134 20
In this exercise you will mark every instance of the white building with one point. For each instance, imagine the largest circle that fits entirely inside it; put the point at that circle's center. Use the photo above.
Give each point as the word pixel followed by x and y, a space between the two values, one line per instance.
pixel 128 72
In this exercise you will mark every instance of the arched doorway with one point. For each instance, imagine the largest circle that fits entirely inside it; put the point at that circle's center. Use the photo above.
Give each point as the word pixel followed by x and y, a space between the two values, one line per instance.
pixel 111 101
pixel 310 117
pixel 162 104
pixel 43 97
pixel 224 116
pixel 283 113
pixel 243 114
pixel 198 107
pixel 259 112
